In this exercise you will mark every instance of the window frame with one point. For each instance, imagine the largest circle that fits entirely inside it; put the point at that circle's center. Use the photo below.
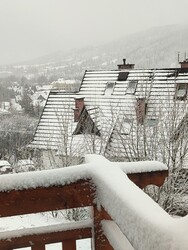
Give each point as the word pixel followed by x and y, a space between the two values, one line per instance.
pixel 179 86
pixel 109 90
pixel 152 122
pixel 131 90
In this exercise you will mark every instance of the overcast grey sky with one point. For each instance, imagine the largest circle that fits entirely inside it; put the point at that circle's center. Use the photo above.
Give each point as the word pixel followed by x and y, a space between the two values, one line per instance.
pixel 32 28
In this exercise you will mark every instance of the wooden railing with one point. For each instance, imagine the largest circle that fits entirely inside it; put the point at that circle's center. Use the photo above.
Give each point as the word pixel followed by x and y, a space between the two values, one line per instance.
pixel 18 198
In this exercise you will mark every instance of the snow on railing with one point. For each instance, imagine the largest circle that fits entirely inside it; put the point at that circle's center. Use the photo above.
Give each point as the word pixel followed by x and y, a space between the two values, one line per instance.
pixel 146 225
pixel 115 236
pixel 136 218
pixel 60 227
pixel 64 176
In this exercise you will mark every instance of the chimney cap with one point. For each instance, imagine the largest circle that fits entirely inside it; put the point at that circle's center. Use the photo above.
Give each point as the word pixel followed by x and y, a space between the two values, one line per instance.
pixel 79 97
pixel 184 64
pixel 125 65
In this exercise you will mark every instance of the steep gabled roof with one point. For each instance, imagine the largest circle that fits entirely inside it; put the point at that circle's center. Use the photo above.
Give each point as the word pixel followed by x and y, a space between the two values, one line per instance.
pixel 57 119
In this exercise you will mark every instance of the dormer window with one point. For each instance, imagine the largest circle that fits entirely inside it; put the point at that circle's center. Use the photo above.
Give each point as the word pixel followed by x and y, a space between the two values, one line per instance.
pixel 109 88
pixel 181 91
pixel 132 87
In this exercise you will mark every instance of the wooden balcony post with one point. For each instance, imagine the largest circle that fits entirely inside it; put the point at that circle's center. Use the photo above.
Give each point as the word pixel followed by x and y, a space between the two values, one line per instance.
pixel 100 240
pixel 38 246
pixel 69 244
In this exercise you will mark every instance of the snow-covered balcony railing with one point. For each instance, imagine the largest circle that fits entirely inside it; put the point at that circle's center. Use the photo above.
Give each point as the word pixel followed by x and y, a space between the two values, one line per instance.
pixel 123 215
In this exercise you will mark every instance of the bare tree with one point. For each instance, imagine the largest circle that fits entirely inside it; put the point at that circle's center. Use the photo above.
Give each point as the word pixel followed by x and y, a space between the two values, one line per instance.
pixel 161 136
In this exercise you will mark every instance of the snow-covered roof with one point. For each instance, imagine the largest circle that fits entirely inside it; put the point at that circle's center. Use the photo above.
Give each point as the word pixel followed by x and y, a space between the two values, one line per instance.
pixel 4 163
pixel 4 112
pixel 110 98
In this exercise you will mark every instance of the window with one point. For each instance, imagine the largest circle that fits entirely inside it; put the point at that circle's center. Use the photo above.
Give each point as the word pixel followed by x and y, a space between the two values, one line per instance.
pixel 152 122
pixel 132 87
pixel 126 126
pixel 109 88
pixel 181 91
pixel 151 76
pixel 123 76
pixel 174 74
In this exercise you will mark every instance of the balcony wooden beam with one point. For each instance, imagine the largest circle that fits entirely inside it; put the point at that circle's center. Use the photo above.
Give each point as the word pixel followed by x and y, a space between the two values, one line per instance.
pixel 38 241
pixel 78 194
pixel 149 178
pixel 100 240
pixel 18 202
pixel 69 245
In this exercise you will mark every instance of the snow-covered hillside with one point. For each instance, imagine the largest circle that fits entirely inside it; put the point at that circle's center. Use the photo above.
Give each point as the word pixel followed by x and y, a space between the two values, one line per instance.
pixel 153 48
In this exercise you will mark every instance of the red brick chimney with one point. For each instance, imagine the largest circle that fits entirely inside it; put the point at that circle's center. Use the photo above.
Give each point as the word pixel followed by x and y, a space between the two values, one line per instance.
pixel 184 64
pixel 79 106
pixel 141 107
pixel 125 65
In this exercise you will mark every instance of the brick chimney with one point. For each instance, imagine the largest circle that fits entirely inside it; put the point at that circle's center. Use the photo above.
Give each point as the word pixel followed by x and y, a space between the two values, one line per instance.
pixel 125 65
pixel 141 107
pixel 184 64
pixel 79 106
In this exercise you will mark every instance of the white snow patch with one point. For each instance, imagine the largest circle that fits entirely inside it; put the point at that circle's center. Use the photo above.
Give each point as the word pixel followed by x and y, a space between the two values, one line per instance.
pixel 146 225
pixel 141 166
pixel 115 236
pixel 45 178
pixel 47 227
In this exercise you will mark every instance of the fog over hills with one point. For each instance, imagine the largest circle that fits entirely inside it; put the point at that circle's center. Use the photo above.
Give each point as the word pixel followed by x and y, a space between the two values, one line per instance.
pixel 153 48
pixel 156 47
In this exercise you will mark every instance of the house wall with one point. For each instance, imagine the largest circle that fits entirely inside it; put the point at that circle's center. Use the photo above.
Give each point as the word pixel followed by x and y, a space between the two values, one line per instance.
pixel 50 160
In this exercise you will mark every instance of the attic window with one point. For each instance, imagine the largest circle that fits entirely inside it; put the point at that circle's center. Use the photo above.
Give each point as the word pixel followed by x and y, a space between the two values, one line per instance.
pixel 152 122
pixel 181 91
pixel 173 74
pixel 109 88
pixel 151 76
pixel 123 76
pixel 126 126
pixel 132 87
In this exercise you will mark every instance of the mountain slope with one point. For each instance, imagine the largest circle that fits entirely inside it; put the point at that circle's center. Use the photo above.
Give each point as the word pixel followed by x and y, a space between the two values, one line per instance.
pixel 157 47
